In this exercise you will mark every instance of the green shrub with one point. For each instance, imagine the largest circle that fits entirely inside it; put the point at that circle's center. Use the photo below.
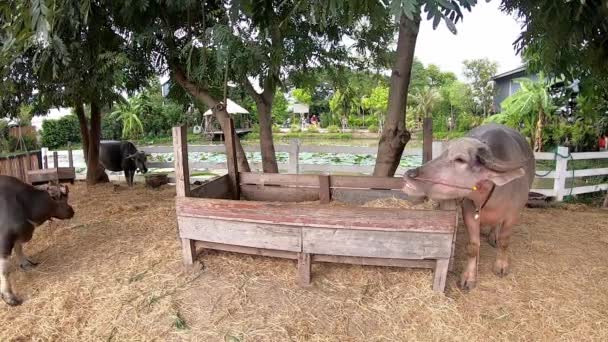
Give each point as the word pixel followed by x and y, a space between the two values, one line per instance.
pixel 276 129
pixel 57 133
pixel 333 129
pixel 111 129
pixel 295 129
pixel 312 129
pixel 373 129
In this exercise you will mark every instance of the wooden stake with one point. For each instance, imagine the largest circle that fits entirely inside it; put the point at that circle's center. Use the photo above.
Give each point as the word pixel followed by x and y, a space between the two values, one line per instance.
pixel 324 190
pixel 231 161
pixel 180 155
pixel 427 140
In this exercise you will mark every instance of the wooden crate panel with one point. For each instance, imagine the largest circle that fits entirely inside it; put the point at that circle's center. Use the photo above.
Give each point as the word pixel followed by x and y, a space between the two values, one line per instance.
pixel 362 196
pixel 311 215
pixel 218 188
pixel 278 193
pixel 376 244
pixel 257 235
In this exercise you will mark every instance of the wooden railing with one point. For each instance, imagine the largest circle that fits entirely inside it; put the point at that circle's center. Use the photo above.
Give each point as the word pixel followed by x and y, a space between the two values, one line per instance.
pixel 17 165
pixel 560 174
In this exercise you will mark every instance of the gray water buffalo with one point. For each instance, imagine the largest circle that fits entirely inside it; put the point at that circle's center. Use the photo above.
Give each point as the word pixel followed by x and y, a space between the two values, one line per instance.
pixel 491 170
pixel 23 208
pixel 122 156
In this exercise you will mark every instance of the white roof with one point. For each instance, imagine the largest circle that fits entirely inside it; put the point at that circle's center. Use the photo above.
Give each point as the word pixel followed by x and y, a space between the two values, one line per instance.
pixel 233 108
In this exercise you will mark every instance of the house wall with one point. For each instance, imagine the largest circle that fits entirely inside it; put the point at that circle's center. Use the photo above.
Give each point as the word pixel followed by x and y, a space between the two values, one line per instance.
pixel 507 86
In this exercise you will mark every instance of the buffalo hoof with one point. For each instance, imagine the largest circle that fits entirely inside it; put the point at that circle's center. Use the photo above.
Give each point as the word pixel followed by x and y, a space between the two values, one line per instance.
pixel 501 268
pixel 11 299
pixel 27 265
pixel 467 283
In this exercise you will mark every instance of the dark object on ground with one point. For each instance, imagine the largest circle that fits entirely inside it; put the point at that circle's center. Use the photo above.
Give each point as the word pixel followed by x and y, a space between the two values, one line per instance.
pixel 156 180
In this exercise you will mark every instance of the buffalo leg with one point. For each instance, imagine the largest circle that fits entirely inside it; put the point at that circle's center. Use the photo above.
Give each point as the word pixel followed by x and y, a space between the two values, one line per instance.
pixel 503 235
pixel 468 279
pixel 6 291
pixel 129 177
pixel 25 263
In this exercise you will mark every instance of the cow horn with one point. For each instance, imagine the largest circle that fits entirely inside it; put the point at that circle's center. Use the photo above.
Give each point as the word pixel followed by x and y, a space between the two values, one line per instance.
pixel 132 156
pixel 487 158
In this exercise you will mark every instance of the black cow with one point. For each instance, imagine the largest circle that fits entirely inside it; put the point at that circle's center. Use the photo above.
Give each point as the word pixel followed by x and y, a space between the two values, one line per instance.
pixel 122 156
pixel 23 208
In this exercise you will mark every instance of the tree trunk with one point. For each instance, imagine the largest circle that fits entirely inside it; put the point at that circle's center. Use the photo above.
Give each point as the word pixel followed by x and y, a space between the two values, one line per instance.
pixel 538 139
pixel 219 112
pixel 394 134
pixel 84 128
pixel 269 159
pixel 427 140
pixel 95 172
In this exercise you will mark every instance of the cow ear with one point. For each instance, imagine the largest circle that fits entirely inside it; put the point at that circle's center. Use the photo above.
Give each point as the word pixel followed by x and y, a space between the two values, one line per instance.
pixel 502 178
pixel 64 190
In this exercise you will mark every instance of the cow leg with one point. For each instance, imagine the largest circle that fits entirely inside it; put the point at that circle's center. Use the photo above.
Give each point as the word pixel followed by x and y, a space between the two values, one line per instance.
pixel 129 178
pixel 468 279
pixel 25 263
pixel 503 235
pixel 6 291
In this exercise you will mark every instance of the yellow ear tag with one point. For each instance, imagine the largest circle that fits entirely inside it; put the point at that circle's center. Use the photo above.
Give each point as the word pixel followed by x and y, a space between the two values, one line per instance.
pixel 474 187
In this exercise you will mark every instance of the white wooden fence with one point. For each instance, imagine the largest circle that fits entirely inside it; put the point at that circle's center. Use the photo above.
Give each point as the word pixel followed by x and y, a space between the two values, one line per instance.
pixel 560 174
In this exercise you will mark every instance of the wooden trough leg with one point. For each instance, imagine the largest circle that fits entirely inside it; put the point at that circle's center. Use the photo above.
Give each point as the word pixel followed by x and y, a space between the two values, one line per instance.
pixel 304 266
pixel 188 251
pixel 441 273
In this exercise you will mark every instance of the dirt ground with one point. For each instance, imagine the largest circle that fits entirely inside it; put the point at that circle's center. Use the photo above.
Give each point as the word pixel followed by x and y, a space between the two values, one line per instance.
pixel 114 273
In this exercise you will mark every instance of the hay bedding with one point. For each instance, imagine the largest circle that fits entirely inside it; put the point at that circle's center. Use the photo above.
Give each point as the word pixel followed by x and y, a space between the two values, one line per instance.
pixel 113 273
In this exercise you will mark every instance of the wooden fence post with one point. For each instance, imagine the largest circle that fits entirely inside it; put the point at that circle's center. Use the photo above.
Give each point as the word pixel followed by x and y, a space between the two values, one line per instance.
pixel 561 171
pixel 427 140
pixel 180 156
pixel 294 156
pixel 55 159
pixel 231 161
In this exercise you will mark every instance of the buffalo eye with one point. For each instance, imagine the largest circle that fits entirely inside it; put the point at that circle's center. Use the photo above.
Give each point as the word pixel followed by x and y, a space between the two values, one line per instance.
pixel 460 160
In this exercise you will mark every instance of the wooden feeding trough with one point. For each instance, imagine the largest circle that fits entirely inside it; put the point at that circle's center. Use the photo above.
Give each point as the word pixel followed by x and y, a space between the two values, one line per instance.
pixel 263 214
pixel 55 174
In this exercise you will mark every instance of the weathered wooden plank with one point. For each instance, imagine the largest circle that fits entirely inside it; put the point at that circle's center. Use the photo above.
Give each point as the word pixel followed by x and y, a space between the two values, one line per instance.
pixel 70 158
pixel 376 244
pixel 231 161
pixel 367 182
pixel 279 179
pixel 188 251
pixel 218 188
pixel 314 215
pixel 427 140
pixel 248 250
pixel 441 274
pixel 180 153
pixel 278 193
pixel 248 234
pixel 374 261
pixel 362 196
pixel 304 269
pixel 324 189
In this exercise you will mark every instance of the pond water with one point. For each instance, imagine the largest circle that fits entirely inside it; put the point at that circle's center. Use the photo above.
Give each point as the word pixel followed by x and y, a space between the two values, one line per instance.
pixel 254 157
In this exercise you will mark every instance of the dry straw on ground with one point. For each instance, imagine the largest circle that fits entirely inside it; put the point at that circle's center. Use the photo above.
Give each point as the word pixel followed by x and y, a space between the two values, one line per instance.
pixel 113 273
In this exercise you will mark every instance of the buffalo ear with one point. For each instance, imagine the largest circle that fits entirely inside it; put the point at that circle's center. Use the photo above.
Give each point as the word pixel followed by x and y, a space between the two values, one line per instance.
pixel 502 178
